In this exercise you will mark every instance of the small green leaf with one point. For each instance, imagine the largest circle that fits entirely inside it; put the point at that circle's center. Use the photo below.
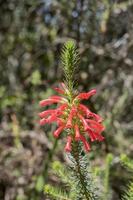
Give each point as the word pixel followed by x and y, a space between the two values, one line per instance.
pixel 40 183
pixel 36 78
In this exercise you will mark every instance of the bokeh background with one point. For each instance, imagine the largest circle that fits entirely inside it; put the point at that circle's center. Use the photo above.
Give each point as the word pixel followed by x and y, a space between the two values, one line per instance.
pixel 31 36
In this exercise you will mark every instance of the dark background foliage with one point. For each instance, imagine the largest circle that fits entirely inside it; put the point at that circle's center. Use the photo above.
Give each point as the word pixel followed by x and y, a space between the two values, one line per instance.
pixel 31 36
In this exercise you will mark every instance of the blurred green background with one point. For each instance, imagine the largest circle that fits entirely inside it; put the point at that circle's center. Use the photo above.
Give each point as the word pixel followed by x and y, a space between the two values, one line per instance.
pixel 31 36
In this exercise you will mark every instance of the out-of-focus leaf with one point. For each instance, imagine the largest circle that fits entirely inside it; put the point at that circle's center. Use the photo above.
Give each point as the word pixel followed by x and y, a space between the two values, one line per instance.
pixel 40 183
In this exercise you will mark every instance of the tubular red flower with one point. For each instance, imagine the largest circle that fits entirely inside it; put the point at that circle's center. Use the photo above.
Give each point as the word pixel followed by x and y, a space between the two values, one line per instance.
pixel 62 89
pixel 56 97
pixel 45 113
pixel 95 135
pixel 59 122
pixel 85 125
pixel 59 90
pixel 62 107
pixel 68 147
pixel 86 144
pixel 69 121
pixel 86 95
pixel 77 133
pixel 58 131
pixel 91 135
pixel 63 86
pixel 99 137
pixel 84 109
pixel 75 116
pixel 88 113
pixel 96 117
pixel 50 119
pixel 55 112
pixel 43 121
pixel 49 101
pixel 95 126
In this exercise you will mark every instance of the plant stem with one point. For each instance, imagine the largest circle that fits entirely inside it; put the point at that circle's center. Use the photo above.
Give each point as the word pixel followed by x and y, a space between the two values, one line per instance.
pixel 80 171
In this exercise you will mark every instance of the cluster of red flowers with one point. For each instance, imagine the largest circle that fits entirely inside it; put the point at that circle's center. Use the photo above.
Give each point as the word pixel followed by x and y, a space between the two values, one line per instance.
pixel 71 114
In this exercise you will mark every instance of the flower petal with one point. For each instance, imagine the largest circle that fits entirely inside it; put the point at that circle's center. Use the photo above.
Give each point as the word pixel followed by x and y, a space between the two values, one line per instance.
pixel 88 113
pixel 77 133
pixel 49 101
pixel 96 117
pixel 85 125
pixel 57 132
pixel 59 90
pixel 86 144
pixel 52 118
pixel 63 107
pixel 97 127
pixel 86 95
pixel 91 135
pixel 68 147
pixel 45 113
pixel 95 135
pixel 60 121
pixel 70 117
pixel 55 97
pixel 43 121
pixel 84 109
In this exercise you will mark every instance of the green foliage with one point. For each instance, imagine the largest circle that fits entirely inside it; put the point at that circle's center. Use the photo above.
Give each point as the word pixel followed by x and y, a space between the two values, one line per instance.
pixel 20 197
pixel 129 193
pixel 36 78
pixel 128 163
pixel 64 175
pixel 39 183
pixel 72 182
pixel 62 172
pixel 85 186
pixel 70 60
pixel 106 177
pixel 56 193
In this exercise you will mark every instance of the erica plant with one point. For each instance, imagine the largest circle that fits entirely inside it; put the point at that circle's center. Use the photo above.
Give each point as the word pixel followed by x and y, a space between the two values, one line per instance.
pixel 74 120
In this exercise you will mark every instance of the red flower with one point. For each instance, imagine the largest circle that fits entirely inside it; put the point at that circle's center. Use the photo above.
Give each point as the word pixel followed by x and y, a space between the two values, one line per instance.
pixel 77 132
pixel 51 100
pixel 58 131
pixel 84 122
pixel 68 144
pixel 86 95
pixel 70 118
pixel 86 144
pixel 75 116
pixel 59 90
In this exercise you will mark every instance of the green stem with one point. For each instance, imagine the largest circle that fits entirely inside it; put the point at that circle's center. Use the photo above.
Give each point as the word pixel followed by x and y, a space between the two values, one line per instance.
pixel 79 171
